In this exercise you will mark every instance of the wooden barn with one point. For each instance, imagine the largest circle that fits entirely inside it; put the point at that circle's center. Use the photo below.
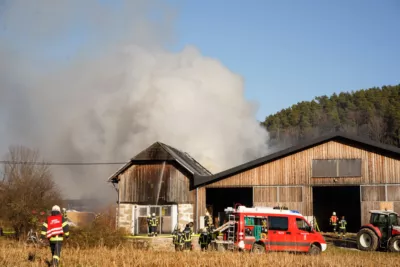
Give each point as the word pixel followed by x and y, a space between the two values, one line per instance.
pixel 158 180
pixel 337 172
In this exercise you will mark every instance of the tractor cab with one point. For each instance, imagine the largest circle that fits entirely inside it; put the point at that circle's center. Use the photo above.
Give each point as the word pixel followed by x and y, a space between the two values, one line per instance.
pixel 384 221
pixel 382 232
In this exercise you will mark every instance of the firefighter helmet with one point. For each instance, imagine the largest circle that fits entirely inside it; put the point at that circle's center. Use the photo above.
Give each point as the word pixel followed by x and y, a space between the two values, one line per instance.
pixel 153 214
pixel 334 213
pixel 56 208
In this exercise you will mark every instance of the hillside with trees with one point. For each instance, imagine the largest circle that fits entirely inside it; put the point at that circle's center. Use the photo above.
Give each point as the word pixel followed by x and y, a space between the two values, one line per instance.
pixel 372 113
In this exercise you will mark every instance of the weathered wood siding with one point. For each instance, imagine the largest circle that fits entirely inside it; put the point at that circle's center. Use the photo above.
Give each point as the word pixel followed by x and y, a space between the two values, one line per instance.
pixel 296 169
pixel 379 197
pixel 155 184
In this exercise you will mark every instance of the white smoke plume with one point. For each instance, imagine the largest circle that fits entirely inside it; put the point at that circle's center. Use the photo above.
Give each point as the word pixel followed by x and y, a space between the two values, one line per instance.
pixel 117 92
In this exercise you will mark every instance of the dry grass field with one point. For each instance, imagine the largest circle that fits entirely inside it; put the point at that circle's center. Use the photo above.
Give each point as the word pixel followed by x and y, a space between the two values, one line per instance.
pixel 14 254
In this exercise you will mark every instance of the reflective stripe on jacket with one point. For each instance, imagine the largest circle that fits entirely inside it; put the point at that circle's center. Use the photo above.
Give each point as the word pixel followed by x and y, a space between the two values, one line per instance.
pixel 187 235
pixel 154 221
pixel 204 239
pixel 65 228
pixel 342 224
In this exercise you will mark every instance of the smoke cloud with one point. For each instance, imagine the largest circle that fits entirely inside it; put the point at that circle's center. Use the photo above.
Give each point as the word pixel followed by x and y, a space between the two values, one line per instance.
pixel 90 81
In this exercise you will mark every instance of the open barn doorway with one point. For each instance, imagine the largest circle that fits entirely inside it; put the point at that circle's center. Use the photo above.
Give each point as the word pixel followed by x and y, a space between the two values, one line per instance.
pixel 344 200
pixel 218 199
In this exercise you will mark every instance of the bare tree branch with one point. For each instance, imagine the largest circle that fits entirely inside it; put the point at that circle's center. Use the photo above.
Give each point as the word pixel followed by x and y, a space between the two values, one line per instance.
pixel 25 188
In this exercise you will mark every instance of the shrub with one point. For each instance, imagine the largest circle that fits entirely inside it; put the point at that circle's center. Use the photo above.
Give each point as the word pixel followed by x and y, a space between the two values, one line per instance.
pixel 101 232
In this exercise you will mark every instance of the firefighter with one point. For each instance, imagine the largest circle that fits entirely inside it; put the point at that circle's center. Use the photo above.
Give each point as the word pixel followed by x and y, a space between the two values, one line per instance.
pixel 342 227
pixel 333 221
pixel 55 228
pixel 178 239
pixel 208 219
pixel 34 220
pixel 154 224
pixel 65 214
pixel 211 229
pixel 204 239
pixel 187 237
pixel 148 224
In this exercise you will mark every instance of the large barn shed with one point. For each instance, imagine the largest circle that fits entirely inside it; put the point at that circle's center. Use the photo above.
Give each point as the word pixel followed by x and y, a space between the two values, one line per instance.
pixel 337 172
pixel 158 180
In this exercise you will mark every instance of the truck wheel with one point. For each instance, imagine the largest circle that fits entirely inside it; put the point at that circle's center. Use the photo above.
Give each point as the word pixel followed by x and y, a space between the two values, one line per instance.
pixel 367 240
pixel 394 244
pixel 314 250
pixel 258 248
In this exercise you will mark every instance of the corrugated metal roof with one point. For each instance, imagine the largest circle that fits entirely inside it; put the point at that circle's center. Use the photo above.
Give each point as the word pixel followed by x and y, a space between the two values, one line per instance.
pixel 162 152
pixel 384 149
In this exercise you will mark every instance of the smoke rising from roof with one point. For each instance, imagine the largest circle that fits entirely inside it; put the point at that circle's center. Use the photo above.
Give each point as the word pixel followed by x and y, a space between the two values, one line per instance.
pixel 90 81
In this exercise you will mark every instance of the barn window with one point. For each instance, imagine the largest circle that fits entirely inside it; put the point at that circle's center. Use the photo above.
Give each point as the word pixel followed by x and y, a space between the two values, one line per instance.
pixel 336 168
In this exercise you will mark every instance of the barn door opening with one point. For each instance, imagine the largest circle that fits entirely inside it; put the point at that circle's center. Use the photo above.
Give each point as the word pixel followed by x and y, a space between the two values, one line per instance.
pixel 218 199
pixel 344 200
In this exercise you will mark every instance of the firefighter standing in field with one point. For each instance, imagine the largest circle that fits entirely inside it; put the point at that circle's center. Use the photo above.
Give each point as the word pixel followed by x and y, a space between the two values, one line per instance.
pixel 154 224
pixel 333 221
pixel 187 237
pixel 148 225
pixel 204 239
pixel 177 239
pixel 342 227
pixel 55 228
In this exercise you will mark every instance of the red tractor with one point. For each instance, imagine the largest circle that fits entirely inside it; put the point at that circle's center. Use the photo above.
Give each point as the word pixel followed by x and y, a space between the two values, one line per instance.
pixel 382 232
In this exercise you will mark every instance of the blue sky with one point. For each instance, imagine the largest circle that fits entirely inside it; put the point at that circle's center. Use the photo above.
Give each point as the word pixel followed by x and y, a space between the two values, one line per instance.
pixel 291 51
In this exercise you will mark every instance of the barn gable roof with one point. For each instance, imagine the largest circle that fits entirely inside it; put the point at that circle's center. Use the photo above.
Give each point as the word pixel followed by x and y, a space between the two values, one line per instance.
pixel 162 152
pixel 354 141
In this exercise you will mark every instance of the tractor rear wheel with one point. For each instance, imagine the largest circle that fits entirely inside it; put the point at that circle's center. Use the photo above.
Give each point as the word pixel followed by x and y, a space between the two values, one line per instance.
pixel 258 248
pixel 367 240
pixel 394 244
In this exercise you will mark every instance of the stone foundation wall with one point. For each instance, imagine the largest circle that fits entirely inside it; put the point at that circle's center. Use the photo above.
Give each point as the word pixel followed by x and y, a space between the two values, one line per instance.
pixel 185 214
pixel 125 216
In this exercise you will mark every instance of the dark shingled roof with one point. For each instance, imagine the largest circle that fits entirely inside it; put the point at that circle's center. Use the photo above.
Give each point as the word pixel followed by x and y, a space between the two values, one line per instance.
pixel 162 152
pixel 387 150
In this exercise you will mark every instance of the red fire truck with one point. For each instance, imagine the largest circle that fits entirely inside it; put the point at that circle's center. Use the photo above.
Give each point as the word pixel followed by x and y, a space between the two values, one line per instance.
pixel 261 229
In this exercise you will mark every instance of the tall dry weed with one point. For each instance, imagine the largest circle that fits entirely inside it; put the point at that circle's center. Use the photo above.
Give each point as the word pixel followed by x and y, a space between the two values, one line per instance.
pixel 127 255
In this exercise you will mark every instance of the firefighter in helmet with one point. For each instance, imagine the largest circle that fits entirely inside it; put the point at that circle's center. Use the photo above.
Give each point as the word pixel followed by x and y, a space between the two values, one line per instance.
pixel 333 221
pixel 177 239
pixel 187 237
pixel 154 224
pixel 208 220
pixel 342 227
pixel 148 224
pixel 204 239
pixel 55 228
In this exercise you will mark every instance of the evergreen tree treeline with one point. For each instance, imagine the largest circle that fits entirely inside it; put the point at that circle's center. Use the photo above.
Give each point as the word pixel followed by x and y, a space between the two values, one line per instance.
pixel 373 113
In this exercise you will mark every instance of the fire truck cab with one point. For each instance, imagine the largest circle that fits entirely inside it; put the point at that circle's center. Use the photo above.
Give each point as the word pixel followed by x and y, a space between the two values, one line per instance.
pixel 262 229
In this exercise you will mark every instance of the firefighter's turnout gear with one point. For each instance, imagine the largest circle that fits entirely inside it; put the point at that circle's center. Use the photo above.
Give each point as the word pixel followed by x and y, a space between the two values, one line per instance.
pixel 208 220
pixel 204 239
pixel 210 229
pixel 177 239
pixel 333 221
pixel 64 213
pixel 342 227
pixel 153 225
pixel 148 225
pixel 187 237
pixel 55 228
